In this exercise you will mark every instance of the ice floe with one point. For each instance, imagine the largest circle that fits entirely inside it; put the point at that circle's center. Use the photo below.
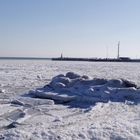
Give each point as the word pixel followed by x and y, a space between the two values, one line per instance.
pixel 73 87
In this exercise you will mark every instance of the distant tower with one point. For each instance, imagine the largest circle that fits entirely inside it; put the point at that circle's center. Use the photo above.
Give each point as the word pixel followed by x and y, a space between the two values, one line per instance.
pixel 118 56
pixel 61 55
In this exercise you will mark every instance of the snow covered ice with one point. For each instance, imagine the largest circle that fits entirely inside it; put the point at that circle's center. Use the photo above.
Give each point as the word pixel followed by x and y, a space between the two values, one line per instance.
pixel 73 87
pixel 46 102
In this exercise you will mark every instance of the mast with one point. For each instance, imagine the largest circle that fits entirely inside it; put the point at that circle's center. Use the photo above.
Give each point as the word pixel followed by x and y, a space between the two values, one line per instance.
pixel 118 56
pixel 61 55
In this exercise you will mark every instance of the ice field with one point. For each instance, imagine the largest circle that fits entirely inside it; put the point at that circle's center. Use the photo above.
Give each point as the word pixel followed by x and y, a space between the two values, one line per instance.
pixel 48 100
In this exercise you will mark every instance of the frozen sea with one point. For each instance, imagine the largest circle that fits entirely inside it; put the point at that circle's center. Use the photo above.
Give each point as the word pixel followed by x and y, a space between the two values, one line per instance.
pixel 103 121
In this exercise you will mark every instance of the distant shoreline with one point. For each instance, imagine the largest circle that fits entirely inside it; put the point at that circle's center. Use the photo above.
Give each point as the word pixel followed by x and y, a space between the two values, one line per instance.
pixel 121 59
pixel 73 59
pixel 23 58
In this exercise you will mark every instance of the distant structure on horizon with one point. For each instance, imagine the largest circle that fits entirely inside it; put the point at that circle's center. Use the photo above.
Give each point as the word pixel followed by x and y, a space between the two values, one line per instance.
pixel 118 59
pixel 61 55
pixel 118 56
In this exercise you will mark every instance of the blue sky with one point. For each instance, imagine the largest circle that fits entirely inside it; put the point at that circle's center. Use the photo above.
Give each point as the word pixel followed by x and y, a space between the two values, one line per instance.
pixel 77 28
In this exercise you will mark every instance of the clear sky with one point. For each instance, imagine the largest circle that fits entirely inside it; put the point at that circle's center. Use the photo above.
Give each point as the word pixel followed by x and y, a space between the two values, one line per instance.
pixel 77 28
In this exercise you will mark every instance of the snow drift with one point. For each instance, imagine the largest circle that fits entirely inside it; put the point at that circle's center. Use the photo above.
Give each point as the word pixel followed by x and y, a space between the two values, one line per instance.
pixel 73 87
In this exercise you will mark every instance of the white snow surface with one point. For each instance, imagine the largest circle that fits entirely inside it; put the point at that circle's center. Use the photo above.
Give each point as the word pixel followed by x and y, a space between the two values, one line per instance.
pixel 92 103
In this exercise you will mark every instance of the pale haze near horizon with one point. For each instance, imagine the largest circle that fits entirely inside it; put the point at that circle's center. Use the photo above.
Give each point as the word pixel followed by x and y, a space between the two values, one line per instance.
pixel 76 28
